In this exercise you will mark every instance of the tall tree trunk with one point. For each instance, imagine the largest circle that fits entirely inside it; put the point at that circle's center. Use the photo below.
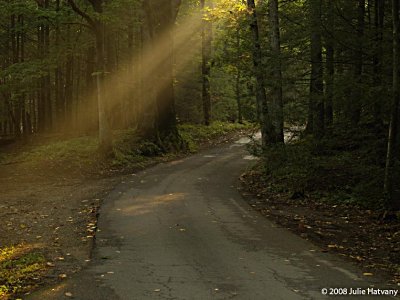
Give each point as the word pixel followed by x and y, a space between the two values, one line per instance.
pixel 44 105
pixel 58 81
pixel 238 77
pixel 330 66
pixel 104 127
pixel 98 27
pixel 160 20
pixel 356 100
pixel 24 125
pixel 47 78
pixel 267 128
pixel 392 156
pixel 147 108
pixel 316 82
pixel 277 97
pixel 166 118
pixel 90 85
pixel 69 89
pixel 206 39
pixel 379 16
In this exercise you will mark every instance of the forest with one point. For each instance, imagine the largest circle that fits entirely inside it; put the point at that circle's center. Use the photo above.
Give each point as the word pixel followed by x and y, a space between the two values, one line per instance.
pixel 320 79
pixel 89 66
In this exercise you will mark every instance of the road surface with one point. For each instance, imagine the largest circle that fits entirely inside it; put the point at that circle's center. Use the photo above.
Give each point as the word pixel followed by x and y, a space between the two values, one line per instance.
pixel 181 230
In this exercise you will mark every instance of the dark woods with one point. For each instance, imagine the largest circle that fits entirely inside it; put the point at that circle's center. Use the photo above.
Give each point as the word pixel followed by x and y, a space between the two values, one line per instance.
pixel 99 65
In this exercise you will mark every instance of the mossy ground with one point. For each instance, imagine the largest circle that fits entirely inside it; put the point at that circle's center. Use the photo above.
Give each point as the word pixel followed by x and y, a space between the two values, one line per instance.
pixel 21 269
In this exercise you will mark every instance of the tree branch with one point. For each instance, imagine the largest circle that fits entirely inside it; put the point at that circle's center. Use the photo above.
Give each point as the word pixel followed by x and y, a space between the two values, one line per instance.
pixel 84 15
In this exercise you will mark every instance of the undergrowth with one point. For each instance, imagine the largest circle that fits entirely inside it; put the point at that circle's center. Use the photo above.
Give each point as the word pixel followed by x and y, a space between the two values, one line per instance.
pixel 195 135
pixel 129 149
pixel 75 152
pixel 347 167
pixel 21 267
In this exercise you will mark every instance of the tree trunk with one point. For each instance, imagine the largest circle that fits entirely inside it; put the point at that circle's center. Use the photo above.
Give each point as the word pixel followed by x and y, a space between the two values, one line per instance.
pixel 98 27
pixel 277 97
pixel 160 20
pixel 166 118
pixel 238 77
pixel 392 157
pixel 379 15
pixel 104 128
pixel 330 66
pixel 267 128
pixel 69 89
pixel 24 124
pixel 206 39
pixel 356 99
pixel 58 81
pixel 316 82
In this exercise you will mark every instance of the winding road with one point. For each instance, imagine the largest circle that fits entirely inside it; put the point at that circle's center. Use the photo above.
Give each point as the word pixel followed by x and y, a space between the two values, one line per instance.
pixel 181 230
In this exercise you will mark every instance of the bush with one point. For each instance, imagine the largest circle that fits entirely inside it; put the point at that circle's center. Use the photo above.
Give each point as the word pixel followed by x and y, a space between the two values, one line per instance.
pixel 347 168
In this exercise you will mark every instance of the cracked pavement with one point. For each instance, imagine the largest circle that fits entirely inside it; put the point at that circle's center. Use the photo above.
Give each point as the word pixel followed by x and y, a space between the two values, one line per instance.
pixel 181 230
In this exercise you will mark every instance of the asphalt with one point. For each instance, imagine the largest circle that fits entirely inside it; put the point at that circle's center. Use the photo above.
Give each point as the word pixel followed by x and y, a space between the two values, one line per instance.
pixel 181 230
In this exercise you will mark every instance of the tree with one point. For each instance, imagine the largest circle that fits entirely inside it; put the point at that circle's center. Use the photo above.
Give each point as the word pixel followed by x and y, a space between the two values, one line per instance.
pixel 98 28
pixel 206 38
pixel 277 98
pixel 357 95
pixel 316 119
pixel 161 16
pixel 330 62
pixel 392 156
pixel 379 16
pixel 267 128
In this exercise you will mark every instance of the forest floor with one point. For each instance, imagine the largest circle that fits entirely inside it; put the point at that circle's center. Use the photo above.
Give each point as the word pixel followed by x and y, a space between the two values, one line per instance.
pixel 48 214
pixel 368 238
pixel 48 217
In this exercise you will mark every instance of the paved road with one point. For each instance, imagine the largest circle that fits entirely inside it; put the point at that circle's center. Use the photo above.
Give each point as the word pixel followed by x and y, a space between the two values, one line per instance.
pixel 182 231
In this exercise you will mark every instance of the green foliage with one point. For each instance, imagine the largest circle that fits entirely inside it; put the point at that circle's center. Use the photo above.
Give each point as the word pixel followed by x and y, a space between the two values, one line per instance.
pixel 129 150
pixel 75 151
pixel 19 266
pixel 346 167
pixel 194 135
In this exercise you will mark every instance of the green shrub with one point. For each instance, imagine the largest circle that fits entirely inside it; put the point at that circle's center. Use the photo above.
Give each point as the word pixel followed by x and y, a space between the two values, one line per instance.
pixel 345 167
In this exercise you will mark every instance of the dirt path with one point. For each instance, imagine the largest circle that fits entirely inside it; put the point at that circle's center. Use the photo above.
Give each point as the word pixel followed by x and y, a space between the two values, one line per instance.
pixel 48 211
pixel 181 230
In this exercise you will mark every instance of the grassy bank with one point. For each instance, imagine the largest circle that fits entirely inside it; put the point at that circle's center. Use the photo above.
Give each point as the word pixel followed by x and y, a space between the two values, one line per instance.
pixel 80 154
